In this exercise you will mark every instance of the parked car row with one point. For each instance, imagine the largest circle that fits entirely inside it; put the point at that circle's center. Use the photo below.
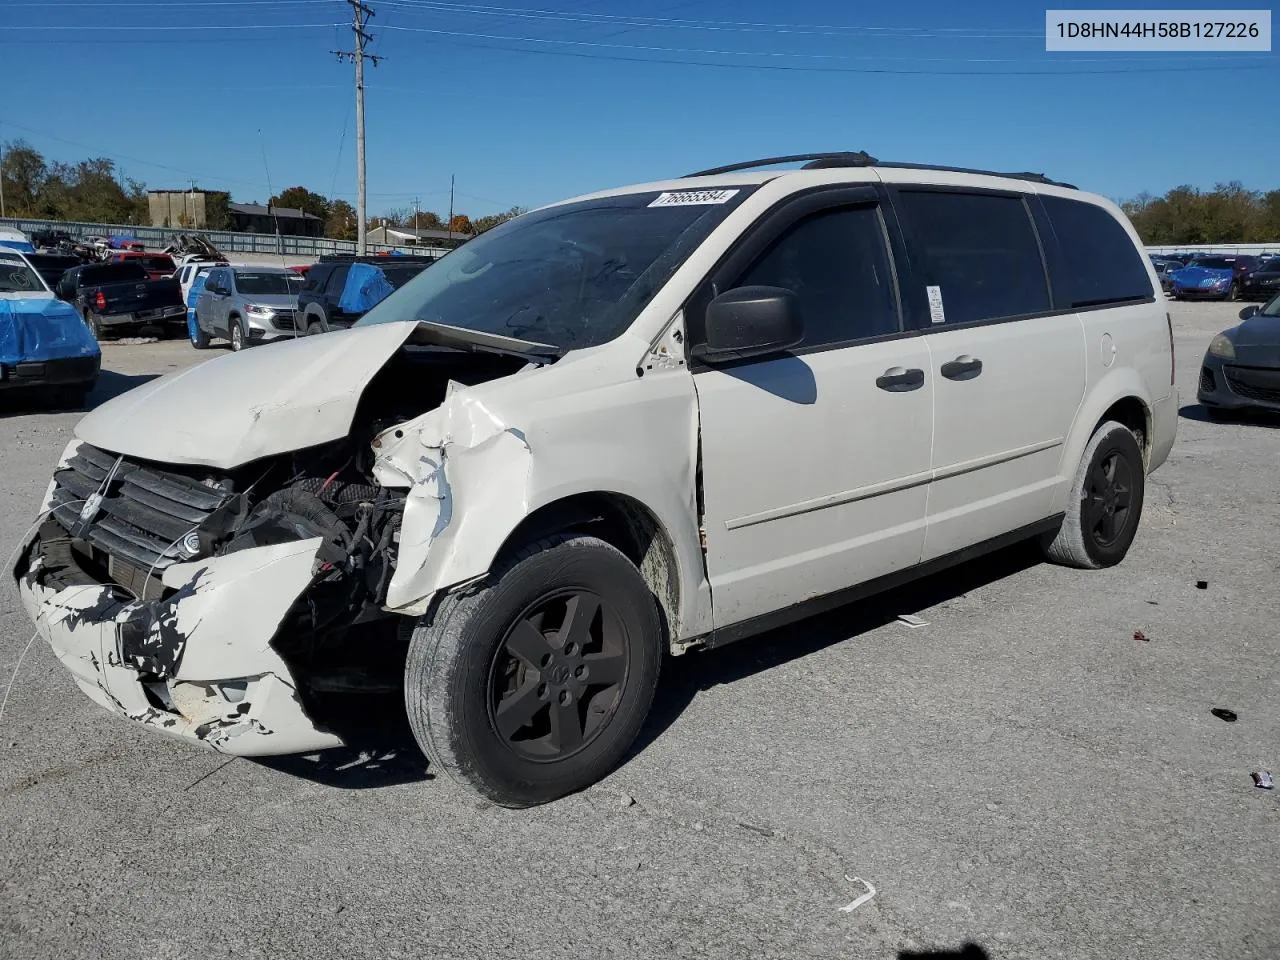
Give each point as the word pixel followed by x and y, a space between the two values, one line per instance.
pixel 1219 276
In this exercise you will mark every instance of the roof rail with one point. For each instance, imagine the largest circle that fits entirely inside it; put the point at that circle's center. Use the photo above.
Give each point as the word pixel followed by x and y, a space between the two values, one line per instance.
pixel 816 160
pixel 822 161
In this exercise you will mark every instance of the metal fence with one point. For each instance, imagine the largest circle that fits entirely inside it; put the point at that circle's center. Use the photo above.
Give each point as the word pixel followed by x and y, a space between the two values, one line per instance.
pixel 225 240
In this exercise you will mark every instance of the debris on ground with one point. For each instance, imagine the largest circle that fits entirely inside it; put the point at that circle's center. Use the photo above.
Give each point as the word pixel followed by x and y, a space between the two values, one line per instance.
pixel 1263 780
pixel 1222 713
pixel 871 892
pixel 626 800
pixel 1139 635
pixel 1202 584
pixel 131 341
pixel 912 621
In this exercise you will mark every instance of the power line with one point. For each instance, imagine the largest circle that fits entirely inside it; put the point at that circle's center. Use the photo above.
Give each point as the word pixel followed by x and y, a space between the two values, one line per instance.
pixel 984 33
pixel 790 68
pixel 186 27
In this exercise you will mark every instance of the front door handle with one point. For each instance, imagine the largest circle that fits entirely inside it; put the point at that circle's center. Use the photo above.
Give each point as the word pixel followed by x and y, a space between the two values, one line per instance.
pixel 963 367
pixel 900 379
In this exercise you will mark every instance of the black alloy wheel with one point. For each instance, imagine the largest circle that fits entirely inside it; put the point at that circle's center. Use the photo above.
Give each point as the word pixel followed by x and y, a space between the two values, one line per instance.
pixel 556 679
pixel 1108 498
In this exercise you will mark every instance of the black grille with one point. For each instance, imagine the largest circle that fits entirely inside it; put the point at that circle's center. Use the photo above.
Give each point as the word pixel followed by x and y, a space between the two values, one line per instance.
pixel 282 321
pixel 1250 391
pixel 146 509
pixel 1208 383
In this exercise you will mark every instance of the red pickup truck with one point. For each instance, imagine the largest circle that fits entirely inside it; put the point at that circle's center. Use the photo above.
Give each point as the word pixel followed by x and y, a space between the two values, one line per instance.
pixel 157 265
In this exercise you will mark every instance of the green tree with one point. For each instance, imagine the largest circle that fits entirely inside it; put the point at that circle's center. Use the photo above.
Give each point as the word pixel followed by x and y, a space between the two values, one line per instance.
pixel 492 220
pixel 300 198
pixel 24 173
pixel 341 223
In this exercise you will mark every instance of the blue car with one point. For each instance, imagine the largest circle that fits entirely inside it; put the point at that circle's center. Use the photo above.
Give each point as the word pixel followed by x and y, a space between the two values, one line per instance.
pixel 44 343
pixel 1208 278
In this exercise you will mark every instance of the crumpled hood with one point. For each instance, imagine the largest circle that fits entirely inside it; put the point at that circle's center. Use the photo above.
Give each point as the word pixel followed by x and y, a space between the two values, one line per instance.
pixel 243 406
pixel 267 400
pixel 37 326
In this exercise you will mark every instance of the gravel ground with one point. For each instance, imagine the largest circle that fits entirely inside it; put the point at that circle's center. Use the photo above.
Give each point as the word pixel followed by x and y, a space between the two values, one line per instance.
pixel 1021 774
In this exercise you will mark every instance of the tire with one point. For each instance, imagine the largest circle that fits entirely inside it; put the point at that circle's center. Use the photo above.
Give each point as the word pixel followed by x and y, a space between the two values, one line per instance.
pixel 200 339
pixel 1233 292
pixel 462 673
pixel 95 327
pixel 1109 482
pixel 238 339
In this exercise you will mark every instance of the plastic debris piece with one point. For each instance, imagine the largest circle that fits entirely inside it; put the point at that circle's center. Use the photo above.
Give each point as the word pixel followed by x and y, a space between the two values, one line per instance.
pixel 871 892
pixel 1139 635
pixel 1202 584
pixel 1263 780
pixel 911 620
pixel 1222 713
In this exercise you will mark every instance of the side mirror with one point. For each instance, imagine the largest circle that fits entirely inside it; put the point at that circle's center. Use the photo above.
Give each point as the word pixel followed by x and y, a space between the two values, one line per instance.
pixel 750 322
pixel 1249 311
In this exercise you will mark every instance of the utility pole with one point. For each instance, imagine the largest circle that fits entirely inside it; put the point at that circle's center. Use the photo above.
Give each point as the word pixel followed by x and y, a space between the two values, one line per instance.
pixel 360 15
pixel 450 224
pixel 415 219
pixel 1 178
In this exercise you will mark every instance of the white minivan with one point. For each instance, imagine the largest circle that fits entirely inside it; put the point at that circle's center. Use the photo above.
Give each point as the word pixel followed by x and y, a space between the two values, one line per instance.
pixel 624 426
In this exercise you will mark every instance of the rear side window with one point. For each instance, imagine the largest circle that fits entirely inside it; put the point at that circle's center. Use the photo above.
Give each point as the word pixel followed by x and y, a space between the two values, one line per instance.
pixel 837 263
pixel 337 280
pixel 980 252
pixel 1099 263
pixel 316 277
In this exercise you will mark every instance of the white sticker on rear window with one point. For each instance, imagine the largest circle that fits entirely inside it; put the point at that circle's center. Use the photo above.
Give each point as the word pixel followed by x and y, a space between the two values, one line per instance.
pixel 684 198
pixel 936 313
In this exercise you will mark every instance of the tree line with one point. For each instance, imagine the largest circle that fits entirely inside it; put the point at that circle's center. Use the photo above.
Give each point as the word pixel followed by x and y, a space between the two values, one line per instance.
pixel 95 191
pixel 1226 214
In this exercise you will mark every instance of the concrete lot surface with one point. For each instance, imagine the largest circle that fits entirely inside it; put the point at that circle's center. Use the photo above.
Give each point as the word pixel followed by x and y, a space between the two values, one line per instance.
pixel 1020 774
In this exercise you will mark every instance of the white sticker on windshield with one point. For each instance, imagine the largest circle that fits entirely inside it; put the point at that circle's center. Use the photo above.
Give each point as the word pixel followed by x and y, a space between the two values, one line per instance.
pixel 936 313
pixel 684 198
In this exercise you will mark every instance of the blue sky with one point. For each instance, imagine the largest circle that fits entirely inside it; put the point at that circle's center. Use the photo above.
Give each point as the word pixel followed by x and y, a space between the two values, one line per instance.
pixel 528 101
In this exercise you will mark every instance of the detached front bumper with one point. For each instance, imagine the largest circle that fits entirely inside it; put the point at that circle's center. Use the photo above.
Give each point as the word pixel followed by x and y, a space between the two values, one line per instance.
pixel 1228 385
pixel 198 663
pixel 175 314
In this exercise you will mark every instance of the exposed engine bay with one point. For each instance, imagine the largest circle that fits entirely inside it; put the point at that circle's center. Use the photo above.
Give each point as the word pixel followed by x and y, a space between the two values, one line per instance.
pixel 120 522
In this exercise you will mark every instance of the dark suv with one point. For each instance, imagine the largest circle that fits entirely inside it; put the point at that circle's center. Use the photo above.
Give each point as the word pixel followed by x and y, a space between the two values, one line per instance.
pixel 319 301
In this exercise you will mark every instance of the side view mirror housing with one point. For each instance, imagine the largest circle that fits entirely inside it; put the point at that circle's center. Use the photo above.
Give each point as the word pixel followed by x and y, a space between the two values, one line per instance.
pixel 750 322
pixel 1249 311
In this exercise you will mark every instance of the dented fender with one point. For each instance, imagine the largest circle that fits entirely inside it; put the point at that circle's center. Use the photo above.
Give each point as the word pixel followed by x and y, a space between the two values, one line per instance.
pixel 493 454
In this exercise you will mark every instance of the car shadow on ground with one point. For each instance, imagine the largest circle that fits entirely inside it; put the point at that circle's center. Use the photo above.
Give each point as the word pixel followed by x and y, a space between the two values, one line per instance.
pixel 970 951
pixel 684 677
pixel 1247 417
pixel 383 753
pixel 24 402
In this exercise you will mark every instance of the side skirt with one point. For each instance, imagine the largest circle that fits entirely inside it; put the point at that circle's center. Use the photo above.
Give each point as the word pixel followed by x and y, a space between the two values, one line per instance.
pixel 809 608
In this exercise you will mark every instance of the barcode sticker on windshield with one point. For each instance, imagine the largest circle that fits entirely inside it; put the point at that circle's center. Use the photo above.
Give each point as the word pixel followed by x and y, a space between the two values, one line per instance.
pixel 684 198
pixel 936 313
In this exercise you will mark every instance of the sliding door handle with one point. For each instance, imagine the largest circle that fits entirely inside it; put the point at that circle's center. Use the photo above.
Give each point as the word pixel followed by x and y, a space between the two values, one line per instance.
pixel 900 379
pixel 963 367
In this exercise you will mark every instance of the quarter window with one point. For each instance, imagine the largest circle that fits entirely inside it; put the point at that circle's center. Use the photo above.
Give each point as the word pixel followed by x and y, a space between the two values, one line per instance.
pixel 837 263
pixel 979 250
pixel 1100 263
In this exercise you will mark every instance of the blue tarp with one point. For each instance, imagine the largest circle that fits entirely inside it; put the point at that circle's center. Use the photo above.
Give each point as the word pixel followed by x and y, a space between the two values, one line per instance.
pixel 120 241
pixel 22 246
pixel 35 328
pixel 366 287
pixel 197 288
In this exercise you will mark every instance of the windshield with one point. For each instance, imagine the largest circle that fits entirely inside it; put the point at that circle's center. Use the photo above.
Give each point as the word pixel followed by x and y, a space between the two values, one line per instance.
pixel 571 276
pixel 1213 263
pixel 17 277
pixel 267 284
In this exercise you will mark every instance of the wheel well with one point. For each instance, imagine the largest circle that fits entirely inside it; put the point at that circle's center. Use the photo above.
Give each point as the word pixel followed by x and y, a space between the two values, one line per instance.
pixel 622 522
pixel 1133 413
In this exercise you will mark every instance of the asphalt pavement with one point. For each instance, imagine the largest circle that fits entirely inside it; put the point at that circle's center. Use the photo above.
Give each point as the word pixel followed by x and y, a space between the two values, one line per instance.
pixel 1021 775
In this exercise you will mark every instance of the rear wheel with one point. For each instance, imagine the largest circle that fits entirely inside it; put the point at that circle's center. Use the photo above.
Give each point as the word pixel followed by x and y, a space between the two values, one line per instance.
pixel 93 323
pixel 1105 503
pixel 536 684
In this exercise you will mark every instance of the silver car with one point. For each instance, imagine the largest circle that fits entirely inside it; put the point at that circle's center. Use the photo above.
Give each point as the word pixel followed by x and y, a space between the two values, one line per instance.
pixel 247 305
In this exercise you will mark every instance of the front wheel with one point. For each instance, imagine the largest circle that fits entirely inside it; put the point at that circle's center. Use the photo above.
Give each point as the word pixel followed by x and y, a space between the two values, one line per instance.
pixel 1233 291
pixel 237 336
pixel 1105 502
pixel 536 684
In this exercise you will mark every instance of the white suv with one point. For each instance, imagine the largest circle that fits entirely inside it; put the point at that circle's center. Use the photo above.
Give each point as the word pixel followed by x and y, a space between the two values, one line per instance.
pixel 631 424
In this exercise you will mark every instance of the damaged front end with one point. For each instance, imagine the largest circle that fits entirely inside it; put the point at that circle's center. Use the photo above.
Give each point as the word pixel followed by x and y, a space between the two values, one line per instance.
pixel 245 606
